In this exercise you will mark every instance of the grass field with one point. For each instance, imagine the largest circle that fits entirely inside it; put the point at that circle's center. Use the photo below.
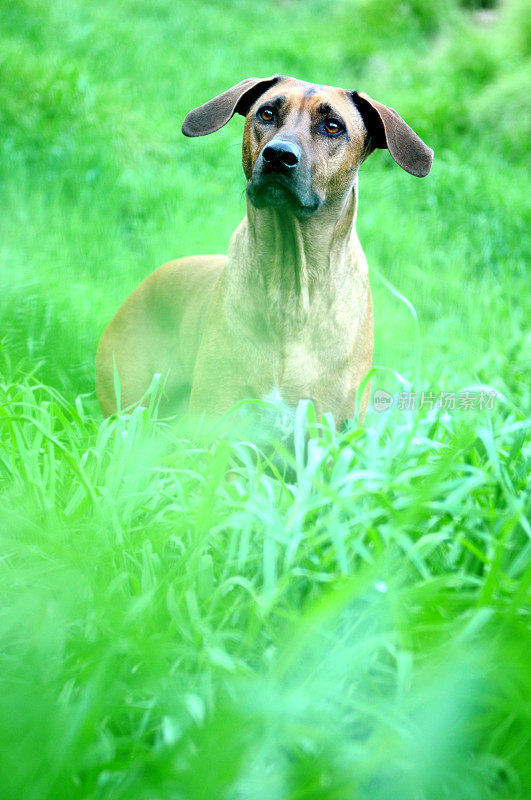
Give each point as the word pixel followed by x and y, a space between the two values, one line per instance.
pixel 178 620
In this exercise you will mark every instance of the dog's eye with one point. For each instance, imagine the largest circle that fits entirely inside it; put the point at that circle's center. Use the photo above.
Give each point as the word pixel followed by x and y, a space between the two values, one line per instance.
pixel 333 127
pixel 266 114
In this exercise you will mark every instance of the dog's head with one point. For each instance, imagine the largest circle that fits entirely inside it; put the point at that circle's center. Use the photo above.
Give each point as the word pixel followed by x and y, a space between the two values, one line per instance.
pixel 303 143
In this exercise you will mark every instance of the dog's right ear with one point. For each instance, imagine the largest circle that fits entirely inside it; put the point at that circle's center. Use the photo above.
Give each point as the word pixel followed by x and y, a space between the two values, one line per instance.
pixel 216 113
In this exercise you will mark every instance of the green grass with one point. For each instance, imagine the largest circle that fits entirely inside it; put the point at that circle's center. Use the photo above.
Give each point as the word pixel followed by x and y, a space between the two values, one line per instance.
pixel 178 618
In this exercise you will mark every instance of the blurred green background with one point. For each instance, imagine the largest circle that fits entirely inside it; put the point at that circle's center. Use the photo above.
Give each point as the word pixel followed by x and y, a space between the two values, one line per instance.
pixel 177 620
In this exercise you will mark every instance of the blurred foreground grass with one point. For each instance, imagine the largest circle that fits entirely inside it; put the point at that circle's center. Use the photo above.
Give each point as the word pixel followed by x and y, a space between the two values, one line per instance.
pixel 178 620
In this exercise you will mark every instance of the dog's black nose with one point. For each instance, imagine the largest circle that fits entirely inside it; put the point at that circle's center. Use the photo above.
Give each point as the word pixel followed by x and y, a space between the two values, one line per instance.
pixel 281 153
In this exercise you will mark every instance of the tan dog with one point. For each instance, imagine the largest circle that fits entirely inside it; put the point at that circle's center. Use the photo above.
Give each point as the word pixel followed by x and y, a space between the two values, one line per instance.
pixel 288 313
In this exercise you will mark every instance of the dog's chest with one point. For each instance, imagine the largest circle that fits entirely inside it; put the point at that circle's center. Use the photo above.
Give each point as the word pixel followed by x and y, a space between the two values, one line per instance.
pixel 310 353
pixel 315 357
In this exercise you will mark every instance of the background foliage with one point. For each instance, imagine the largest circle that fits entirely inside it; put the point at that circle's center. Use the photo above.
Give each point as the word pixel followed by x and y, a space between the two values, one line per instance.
pixel 179 620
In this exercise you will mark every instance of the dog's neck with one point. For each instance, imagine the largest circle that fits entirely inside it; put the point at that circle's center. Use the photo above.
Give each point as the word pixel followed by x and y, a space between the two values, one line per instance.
pixel 283 260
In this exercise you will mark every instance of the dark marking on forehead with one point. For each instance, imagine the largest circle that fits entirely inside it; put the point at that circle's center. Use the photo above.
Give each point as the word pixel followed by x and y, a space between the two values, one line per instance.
pixel 325 108
pixel 310 91
pixel 278 101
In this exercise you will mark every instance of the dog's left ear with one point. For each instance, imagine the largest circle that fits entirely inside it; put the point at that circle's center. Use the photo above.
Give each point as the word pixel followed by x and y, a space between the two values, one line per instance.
pixel 387 129
pixel 216 113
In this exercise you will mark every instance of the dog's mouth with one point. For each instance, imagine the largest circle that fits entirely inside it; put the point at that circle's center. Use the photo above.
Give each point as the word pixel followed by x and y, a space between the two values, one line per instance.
pixel 275 190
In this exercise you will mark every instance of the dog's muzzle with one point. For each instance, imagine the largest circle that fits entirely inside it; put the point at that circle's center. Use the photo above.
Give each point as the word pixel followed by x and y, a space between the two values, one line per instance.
pixel 281 177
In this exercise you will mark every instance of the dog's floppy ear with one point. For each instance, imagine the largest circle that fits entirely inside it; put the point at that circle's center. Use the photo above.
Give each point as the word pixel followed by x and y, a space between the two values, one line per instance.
pixel 216 113
pixel 387 129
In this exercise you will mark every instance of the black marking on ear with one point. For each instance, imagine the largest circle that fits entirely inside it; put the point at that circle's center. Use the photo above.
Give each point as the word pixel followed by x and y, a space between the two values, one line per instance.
pixel 250 97
pixel 373 124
